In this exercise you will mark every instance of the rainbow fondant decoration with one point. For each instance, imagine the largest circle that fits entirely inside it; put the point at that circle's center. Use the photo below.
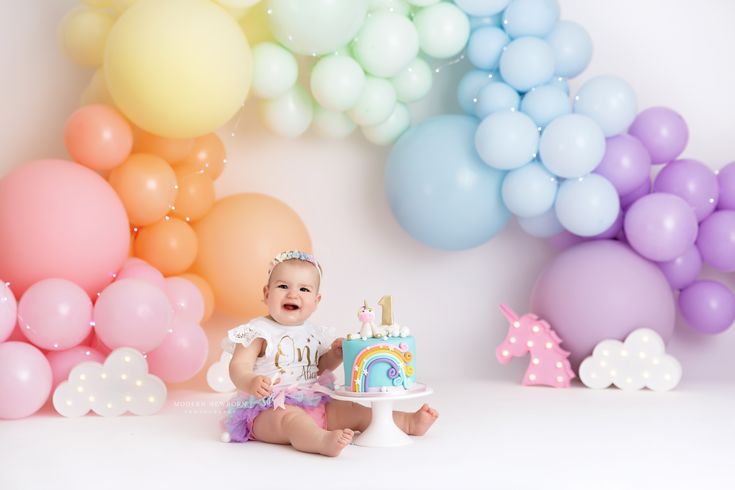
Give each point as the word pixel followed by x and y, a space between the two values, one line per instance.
pixel 379 364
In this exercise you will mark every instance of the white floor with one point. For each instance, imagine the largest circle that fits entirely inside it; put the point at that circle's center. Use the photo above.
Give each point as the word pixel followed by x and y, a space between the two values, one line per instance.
pixel 490 434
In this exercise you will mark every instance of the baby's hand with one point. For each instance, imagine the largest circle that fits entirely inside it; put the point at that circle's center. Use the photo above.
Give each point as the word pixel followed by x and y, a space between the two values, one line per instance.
pixel 261 386
pixel 336 347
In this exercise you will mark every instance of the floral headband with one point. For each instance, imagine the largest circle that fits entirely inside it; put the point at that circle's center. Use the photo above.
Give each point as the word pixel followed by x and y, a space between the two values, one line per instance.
pixel 294 255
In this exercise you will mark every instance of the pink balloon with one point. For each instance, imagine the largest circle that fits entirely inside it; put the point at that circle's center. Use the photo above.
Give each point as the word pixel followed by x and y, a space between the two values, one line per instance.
pixel 135 268
pixel 25 380
pixel 99 346
pixel 186 299
pixel 60 219
pixel 63 361
pixel 181 355
pixel 55 314
pixel 132 313
pixel 8 311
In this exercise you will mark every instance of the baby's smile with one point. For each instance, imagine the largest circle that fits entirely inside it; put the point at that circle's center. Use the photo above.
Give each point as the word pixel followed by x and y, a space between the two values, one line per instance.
pixel 290 306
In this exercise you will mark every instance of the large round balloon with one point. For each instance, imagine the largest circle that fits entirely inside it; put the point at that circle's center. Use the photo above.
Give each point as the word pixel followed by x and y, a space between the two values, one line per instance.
pixel 60 219
pixel 177 69
pixel 25 380
pixel 602 290
pixel 439 189
pixel 237 240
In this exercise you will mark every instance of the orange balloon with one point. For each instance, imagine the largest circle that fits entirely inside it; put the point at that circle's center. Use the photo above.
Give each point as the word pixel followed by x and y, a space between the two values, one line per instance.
pixel 196 193
pixel 206 291
pixel 170 149
pixel 98 137
pixel 208 154
pixel 237 240
pixel 169 245
pixel 146 185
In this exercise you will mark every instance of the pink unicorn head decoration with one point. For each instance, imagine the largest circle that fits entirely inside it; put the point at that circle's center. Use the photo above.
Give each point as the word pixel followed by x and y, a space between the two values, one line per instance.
pixel 529 334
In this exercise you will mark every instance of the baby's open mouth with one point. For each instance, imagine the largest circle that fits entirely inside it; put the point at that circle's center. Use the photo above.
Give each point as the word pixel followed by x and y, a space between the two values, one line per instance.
pixel 290 307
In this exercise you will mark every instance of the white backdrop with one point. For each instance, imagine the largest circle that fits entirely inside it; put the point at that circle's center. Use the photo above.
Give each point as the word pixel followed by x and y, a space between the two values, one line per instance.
pixel 676 54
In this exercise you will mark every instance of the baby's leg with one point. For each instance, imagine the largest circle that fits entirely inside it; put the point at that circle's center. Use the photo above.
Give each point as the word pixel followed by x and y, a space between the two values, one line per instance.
pixel 358 417
pixel 294 426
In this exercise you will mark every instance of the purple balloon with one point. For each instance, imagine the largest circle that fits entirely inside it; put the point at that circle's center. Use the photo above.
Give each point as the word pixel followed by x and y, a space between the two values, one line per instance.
pixel 693 181
pixel 660 226
pixel 683 270
pixel 626 163
pixel 716 240
pixel 726 181
pixel 708 306
pixel 602 290
pixel 627 200
pixel 662 131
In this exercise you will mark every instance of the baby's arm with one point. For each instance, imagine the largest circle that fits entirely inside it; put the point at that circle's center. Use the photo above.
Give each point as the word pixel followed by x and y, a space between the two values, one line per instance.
pixel 332 358
pixel 241 370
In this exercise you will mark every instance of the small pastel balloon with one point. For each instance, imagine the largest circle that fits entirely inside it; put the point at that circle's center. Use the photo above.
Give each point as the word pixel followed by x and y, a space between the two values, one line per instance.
pixel 181 355
pixel 195 195
pixel 275 70
pixel 610 101
pixel 530 17
pixel 62 362
pixel 186 299
pixel 146 185
pixel 414 81
pixel 628 199
pixel 83 34
pixel 572 47
pixel 25 380
pixel 662 131
pixel 726 184
pixel 469 86
pixel 135 268
pixel 496 97
pixel 208 154
pixel 206 292
pixel 587 206
pixel 544 225
pixel 332 124
pixel 545 103
pixel 376 103
pixel 170 149
pixel 716 240
pixel 288 115
pixel 394 6
pixel 132 313
pixel 529 190
pixel 660 226
pixel 485 46
pixel 8 311
pixel 683 270
pixel 443 30
pixel 169 245
pixel 481 8
pixel 507 140
pixel 55 314
pixel 386 44
pixel 708 306
pixel 691 180
pixel 572 145
pixel 98 137
pixel 387 132
pixel 526 63
pixel 337 82
pixel 626 163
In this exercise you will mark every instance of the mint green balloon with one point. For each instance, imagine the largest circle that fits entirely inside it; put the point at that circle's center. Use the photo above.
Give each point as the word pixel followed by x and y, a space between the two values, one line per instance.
pixel 337 82
pixel 290 114
pixel 387 132
pixel 395 6
pixel 386 44
pixel 275 70
pixel 443 30
pixel 331 123
pixel 376 103
pixel 315 27
pixel 414 81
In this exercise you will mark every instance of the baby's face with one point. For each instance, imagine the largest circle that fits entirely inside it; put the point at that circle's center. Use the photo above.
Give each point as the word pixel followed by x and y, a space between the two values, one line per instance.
pixel 292 293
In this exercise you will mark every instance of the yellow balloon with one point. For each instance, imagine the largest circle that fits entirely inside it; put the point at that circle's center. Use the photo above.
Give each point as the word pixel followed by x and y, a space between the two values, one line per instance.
pixel 255 24
pixel 177 68
pixel 83 33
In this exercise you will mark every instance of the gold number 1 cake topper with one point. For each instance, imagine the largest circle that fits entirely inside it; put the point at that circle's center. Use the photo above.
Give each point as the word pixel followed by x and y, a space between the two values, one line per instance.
pixel 386 308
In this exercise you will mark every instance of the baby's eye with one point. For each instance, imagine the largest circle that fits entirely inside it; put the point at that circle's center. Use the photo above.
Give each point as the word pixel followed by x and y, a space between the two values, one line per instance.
pixel 305 290
pixel 282 286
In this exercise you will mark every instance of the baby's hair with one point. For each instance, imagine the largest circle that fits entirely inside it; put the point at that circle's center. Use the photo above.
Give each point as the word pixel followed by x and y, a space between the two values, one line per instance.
pixel 294 255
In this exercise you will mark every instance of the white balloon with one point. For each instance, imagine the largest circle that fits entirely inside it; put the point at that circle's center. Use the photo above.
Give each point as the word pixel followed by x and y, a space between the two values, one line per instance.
pixel 443 30
pixel 275 70
pixel 386 44
pixel 414 81
pixel 290 114
pixel 376 102
pixel 337 82
pixel 331 123
pixel 387 132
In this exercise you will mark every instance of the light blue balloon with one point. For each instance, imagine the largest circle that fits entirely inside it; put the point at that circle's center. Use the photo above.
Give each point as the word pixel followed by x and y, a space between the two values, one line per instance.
pixel 572 145
pixel 506 140
pixel 495 97
pixel 530 17
pixel 490 21
pixel 469 86
pixel 560 83
pixel 439 190
pixel 530 190
pixel 526 63
pixel 482 8
pixel 610 101
pixel 572 47
pixel 588 205
pixel 485 46
pixel 545 103
pixel 543 226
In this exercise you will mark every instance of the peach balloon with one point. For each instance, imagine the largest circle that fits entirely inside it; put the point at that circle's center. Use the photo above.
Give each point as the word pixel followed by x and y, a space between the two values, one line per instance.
pixel 208 154
pixel 206 291
pixel 169 245
pixel 170 149
pixel 98 137
pixel 196 193
pixel 146 185
pixel 237 240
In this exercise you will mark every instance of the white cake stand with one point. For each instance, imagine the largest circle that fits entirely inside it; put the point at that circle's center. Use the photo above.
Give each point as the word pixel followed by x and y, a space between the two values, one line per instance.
pixel 382 431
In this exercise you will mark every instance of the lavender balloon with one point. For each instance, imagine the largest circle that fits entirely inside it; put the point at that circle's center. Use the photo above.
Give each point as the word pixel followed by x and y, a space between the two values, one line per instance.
pixel 726 181
pixel 683 270
pixel 660 226
pixel 662 131
pixel 693 181
pixel 626 163
pixel 628 199
pixel 708 306
pixel 716 240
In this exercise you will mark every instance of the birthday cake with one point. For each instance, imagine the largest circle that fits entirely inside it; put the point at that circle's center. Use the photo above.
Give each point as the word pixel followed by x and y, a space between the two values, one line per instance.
pixel 379 358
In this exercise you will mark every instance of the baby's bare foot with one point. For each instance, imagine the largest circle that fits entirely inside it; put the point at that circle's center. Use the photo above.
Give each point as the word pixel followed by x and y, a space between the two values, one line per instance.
pixel 335 441
pixel 420 421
